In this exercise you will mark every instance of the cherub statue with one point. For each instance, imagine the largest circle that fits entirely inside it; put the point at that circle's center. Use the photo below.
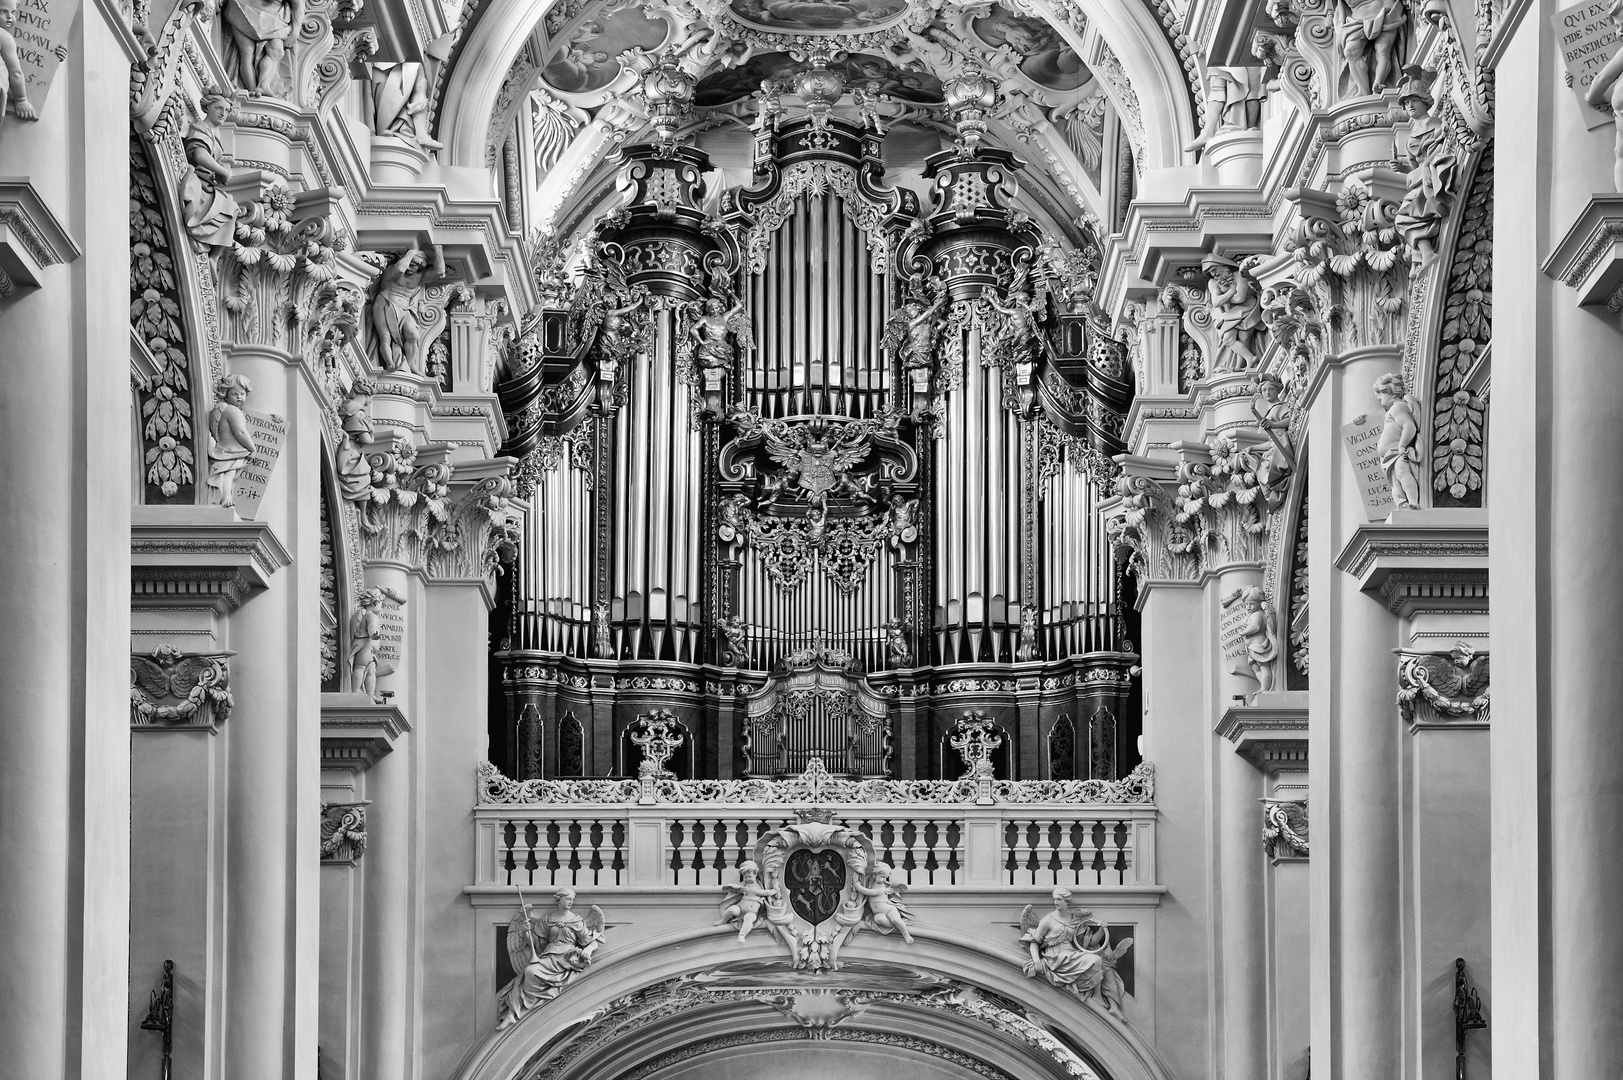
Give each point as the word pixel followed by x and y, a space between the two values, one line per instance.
pixel 1428 196
pixel 710 332
pixel 1607 88
pixel 1260 631
pixel 741 903
pixel 1072 951
pixel 1237 310
pixel 400 102
pixel 912 331
pixel 211 213
pixel 886 911
pixel 1234 97
pixel 1396 449
pixel 230 442
pixel 397 337
pixel 736 634
pixel 546 953
pixel 365 634
pixel 14 86
pixel 258 37
pixel 897 649
pixel 1273 417
pixel 1378 27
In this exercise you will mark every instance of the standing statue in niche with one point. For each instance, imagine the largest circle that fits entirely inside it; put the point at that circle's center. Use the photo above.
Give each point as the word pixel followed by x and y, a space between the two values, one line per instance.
pixel 1607 89
pixel 1374 42
pixel 1236 303
pixel 1260 633
pixel 396 334
pixel 1234 97
pixel 211 213
pixel 1433 168
pixel 711 330
pixel 14 86
pixel 546 953
pixel 1397 448
pixel 1072 951
pixel 365 642
pixel 400 102
pixel 258 39
pixel 230 442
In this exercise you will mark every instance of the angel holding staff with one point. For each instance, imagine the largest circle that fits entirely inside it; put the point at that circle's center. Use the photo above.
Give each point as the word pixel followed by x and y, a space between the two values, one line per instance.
pixel 546 953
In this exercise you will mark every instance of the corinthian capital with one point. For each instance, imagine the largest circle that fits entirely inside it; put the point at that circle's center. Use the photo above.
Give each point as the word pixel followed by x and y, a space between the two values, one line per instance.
pixel 1152 527
pixel 480 533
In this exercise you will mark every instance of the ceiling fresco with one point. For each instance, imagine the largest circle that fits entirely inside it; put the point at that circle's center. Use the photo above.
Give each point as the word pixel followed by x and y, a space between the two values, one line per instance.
pixel 813 16
pixel 734 84
pixel 1046 59
pixel 587 55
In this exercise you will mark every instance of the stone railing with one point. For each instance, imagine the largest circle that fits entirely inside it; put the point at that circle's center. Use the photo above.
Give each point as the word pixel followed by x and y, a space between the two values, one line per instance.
pixel 975 834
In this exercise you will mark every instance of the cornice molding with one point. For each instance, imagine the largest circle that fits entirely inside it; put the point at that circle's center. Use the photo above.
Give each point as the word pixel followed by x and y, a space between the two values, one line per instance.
pixel 31 236
pixel 1271 733
pixel 1589 257
pixel 180 555
pixel 356 731
pixel 1422 559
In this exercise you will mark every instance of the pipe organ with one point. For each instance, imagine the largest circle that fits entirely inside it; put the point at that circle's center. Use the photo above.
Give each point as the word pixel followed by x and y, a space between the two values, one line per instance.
pixel 812 466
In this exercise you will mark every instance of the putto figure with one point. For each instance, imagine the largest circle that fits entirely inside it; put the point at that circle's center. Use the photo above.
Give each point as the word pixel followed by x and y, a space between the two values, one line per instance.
pixel 741 903
pixel 1237 310
pixel 365 637
pixel 1260 632
pixel 400 102
pixel 230 442
pixel 258 37
pixel 396 334
pixel 1607 89
pixel 886 912
pixel 14 86
pixel 546 953
pixel 1374 39
pixel 715 331
pixel 1397 450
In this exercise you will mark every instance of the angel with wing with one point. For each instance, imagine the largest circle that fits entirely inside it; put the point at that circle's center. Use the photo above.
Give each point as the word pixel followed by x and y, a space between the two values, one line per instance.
pixel 603 289
pixel 1018 336
pixel 912 331
pixel 741 903
pixel 886 911
pixel 546 953
pixel 1066 950
pixel 711 329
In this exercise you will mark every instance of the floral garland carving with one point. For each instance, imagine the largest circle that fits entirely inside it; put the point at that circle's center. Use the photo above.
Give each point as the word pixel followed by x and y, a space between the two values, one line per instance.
pixel 1456 432
pixel 155 318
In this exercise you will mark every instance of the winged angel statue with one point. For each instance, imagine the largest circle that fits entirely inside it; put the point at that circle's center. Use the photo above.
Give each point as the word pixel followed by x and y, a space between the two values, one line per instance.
pixel 546 953
pixel 1072 950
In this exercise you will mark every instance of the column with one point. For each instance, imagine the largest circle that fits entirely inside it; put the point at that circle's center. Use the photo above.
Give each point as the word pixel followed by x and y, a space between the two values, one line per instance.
pixel 1557 748
pixel 274 757
pixel 1354 769
pixel 64 580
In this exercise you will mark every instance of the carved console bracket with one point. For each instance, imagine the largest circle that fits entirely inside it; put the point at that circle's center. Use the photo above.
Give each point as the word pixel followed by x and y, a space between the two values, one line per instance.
pixel 1270 733
pixel 355 733
pixel 1422 560
pixel 187 556
pixel 31 238
pixel 1589 258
